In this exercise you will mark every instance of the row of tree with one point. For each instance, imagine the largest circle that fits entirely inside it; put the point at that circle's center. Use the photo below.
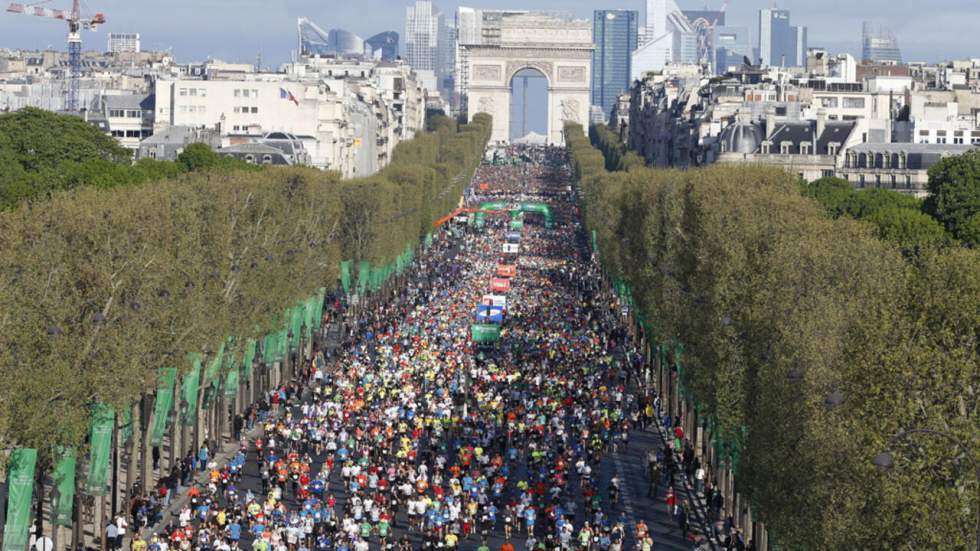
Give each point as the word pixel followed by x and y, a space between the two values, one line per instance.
pixel 101 288
pixel 803 344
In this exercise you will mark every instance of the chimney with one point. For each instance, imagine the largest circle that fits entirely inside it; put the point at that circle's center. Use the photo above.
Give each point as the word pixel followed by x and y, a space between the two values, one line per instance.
pixel 821 122
pixel 770 122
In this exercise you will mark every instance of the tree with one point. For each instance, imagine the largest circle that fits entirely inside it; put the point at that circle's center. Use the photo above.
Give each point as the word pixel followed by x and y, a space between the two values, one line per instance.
pixel 954 192
pixel 198 156
pixel 909 229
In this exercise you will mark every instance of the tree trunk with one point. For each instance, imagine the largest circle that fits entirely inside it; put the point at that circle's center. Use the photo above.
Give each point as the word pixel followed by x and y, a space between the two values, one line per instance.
pixel 134 439
pixel 146 459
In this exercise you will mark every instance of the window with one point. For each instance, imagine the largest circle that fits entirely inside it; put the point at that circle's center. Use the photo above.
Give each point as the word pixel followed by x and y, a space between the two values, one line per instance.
pixel 877 180
pixel 193 91
pixel 940 140
pixel 828 102
pixel 203 92
pixel 132 133
pixel 804 149
pixel 183 109
pixel 192 109
pixel 861 180
pixel 975 141
pixel 832 149
pixel 765 147
pixel 908 182
pixel 116 113
pixel 266 159
pixel 941 133
pixel 236 128
pixel 238 93
pixel 826 173
pixel 118 134
pixel 958 140
pixel 784 148
pixel 249 159
pixel 853 103
pixel 245 93
pixel 134 114
pixel 255 93
pixel 255 110
pixel 923 132
pixel 183 91
pixel 893 181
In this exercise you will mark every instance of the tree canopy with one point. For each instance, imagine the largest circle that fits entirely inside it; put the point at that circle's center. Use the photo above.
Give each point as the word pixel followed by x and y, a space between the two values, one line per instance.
pixel 101 287
pixel 954 195
pixel 764 306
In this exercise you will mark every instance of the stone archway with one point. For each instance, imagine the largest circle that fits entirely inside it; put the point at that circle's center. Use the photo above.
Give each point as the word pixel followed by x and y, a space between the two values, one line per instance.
pixel 560 49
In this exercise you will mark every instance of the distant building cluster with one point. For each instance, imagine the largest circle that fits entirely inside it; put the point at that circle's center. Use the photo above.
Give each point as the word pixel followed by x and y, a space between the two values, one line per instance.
pixel 878 124
pixel 327 110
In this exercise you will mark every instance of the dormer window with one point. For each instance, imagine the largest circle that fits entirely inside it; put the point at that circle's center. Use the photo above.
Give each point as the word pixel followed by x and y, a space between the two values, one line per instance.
pixel 804 149
pixel 784 148
pixel 765 147
pixel 832 149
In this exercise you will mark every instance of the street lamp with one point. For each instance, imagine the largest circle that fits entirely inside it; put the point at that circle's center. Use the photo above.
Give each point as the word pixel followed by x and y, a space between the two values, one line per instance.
pixel 885 462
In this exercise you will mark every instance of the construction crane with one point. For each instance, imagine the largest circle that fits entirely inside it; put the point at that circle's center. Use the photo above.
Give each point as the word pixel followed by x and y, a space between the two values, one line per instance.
pixel 75 25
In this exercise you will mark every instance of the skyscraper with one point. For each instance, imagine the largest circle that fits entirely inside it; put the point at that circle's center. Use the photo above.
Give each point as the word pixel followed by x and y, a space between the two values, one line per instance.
pixel 421 36
pixel 615 35
pixel 781 44
pixel 879 44
pixel 384 45
pixel 732 46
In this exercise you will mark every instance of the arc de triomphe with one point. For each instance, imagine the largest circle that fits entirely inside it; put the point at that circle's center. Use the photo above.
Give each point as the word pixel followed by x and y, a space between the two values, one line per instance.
pixel 560 49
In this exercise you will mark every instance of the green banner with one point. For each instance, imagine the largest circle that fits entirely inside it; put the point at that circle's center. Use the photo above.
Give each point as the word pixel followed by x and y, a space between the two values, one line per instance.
pixel 363 275
pixel 248 359
pixel 231 380
pixel 296 325
pixel 214 368
pixel 63 495
pixel 126 425
pixel 269 349
pixel 166 377
pixel 345 275
pixel 483 332
pixel 20 491
pixel 100 441
pixel 189 387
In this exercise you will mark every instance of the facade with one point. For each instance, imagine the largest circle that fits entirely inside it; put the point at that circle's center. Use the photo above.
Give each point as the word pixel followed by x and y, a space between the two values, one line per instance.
pixel 781 44
pixel 615 35
pixel 384 46
pixel 167 144
pixel 123 42
pixel 421 36
pixel 560 49
pixel 128 118
pixel 879 45
pixel 902 167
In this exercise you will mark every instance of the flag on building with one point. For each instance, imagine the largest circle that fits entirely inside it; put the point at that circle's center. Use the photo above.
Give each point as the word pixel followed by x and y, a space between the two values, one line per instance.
pixel 286 94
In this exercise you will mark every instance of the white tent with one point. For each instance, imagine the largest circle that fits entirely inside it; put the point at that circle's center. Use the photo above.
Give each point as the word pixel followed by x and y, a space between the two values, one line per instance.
pixel 532 138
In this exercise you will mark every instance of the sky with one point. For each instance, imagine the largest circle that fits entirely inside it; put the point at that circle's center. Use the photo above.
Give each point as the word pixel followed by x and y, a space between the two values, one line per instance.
pixel 240 30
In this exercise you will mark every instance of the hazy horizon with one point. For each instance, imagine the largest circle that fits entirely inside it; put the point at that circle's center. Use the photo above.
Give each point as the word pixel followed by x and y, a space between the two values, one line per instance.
pixel 205 29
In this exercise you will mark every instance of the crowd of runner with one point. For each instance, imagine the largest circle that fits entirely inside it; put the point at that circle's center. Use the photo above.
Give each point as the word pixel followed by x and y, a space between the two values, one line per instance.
pixel 409 436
